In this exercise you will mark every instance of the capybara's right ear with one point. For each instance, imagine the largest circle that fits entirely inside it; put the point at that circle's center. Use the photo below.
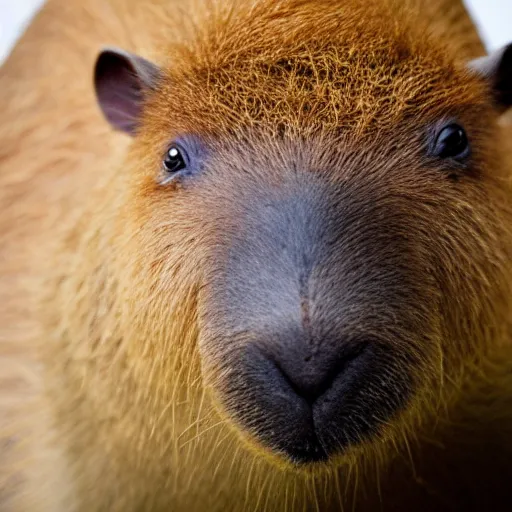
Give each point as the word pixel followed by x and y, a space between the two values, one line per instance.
pixel 122 81
pixel 496 69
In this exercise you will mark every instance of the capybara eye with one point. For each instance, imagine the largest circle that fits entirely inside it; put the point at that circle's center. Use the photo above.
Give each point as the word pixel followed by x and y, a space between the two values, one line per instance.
pixel 452 142
pixel 175 160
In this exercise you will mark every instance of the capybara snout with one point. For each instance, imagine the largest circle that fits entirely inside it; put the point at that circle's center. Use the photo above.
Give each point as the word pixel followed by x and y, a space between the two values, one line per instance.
pixel 316 297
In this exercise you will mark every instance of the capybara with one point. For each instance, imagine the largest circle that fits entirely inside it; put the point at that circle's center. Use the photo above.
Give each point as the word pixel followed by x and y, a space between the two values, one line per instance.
pixel 256 255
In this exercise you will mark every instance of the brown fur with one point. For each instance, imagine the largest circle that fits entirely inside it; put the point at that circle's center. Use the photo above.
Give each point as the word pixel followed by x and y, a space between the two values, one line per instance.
pixel 103 271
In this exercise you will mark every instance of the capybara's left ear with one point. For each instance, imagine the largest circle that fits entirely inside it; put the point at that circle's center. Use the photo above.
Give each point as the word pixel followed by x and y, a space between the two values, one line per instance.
pixel 122 81
pixel 496 68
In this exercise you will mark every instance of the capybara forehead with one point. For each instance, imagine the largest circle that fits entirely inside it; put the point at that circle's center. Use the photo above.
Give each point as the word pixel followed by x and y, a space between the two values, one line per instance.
pixel 301 67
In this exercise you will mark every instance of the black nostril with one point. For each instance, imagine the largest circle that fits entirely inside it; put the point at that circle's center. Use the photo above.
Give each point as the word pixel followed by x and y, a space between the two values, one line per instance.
pixel 311 376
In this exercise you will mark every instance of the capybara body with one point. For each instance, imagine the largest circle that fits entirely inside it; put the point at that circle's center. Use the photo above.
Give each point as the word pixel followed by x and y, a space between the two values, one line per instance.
pixel 289 289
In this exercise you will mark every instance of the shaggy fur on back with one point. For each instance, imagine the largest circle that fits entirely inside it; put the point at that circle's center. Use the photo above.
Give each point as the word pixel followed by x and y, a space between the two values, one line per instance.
pixel 102 399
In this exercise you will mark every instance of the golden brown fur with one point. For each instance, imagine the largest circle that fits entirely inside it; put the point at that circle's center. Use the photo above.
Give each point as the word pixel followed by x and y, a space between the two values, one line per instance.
pixel 105 407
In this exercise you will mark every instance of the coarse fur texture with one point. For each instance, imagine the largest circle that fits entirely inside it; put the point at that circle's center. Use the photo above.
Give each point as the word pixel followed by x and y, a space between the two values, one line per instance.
pixel 115 387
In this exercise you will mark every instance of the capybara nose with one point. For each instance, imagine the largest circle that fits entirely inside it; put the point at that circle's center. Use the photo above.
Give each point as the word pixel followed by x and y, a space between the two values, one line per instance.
pixel 311 372
pixel 310 401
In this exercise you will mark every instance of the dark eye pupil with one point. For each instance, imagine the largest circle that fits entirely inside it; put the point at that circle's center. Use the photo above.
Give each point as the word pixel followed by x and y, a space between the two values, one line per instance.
pixel 452 142
pixel 174 160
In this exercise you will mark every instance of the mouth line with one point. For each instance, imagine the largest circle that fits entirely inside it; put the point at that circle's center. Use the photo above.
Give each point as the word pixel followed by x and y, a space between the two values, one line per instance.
pixel 321 452
pixel 315 449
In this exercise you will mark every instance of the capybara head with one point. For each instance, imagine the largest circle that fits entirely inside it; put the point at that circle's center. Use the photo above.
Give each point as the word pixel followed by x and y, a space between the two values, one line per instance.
pixel 322 196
